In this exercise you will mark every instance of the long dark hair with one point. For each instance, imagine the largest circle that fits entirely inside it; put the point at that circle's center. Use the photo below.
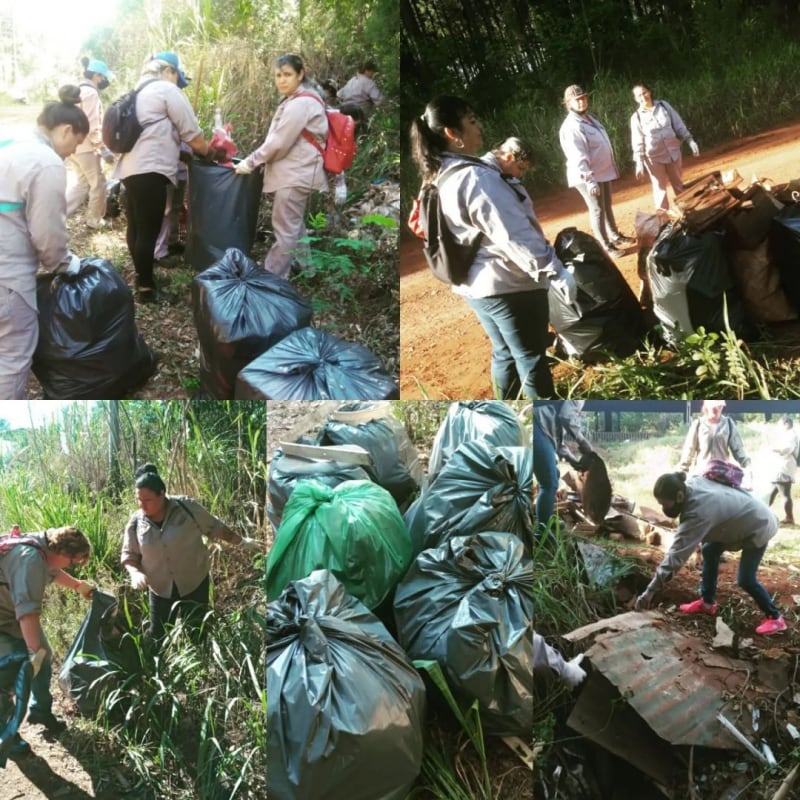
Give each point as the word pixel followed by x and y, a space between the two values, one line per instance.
pixel 65 111
pixel 147 477
pixel 428 140
pixel 668 485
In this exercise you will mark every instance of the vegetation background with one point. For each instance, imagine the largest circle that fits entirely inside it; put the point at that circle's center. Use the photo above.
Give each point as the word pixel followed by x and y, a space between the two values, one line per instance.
pixel 190 723
pixel 727 67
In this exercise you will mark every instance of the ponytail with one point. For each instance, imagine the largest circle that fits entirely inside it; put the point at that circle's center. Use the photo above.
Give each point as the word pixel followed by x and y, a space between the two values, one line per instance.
pixel 65 111
pixel 428 140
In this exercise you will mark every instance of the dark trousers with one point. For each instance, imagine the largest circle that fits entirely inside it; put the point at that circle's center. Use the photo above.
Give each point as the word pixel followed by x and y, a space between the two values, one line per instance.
pixel 746 578
pixel 192 607
pixel 545 468
pixel 516 325
pixel 146 200
pixel 785 488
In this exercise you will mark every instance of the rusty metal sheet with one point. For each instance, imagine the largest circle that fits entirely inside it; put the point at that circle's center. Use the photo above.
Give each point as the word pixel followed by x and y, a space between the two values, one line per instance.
pixel 665 676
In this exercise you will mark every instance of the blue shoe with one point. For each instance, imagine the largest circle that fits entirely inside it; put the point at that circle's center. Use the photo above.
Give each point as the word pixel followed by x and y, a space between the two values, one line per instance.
pixel 19 747
pixel 48 719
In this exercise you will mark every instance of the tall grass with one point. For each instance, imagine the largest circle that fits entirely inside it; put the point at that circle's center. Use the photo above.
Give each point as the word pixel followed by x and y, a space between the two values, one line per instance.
pixel 190 721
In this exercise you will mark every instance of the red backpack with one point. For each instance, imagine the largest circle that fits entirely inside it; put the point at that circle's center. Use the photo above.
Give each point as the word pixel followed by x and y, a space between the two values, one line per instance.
pixel 10 540
pixel 724 472
pixel 340 146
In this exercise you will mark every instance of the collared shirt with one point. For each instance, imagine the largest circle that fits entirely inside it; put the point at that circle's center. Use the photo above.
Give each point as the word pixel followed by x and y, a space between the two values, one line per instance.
pixel 361 91
pixel 558 421
pixel 24 575
pixel 513 255
pixel 587 148
pixel 656 133
pixel 33 213
pixel 715 513
pixel 172 552
pixel 291 160
pixel 168 119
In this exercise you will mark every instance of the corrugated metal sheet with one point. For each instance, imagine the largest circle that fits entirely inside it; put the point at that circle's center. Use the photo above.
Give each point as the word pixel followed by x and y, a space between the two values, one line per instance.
pixel 674 682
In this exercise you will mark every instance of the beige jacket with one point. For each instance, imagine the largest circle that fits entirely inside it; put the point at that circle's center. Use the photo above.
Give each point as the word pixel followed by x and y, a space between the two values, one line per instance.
pixel 93 108
pixel 290 160
pixel 168 120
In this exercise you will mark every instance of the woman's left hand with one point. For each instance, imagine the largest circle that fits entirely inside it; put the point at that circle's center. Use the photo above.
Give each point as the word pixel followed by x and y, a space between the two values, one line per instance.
pixel 253 545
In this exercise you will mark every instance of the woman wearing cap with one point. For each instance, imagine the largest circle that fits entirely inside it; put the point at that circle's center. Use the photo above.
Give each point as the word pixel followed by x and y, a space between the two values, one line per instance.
pixel 293 165
pixel 591 168
pixel 718 518
pixel 712 436
pixel 85 163
pixel 163 550
pixel 33 230
pixel 506 285
pixel 656 135
pixel 167 120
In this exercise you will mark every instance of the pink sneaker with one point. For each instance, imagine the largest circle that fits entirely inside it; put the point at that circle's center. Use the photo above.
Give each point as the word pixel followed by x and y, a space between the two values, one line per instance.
pixel 699 607
pixel 769 626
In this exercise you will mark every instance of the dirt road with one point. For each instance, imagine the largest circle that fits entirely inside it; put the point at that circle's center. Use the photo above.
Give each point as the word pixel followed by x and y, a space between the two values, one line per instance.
pixel 444 351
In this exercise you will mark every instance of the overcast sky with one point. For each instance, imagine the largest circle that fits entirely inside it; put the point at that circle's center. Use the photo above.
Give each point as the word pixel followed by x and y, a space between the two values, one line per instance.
pixel 18 413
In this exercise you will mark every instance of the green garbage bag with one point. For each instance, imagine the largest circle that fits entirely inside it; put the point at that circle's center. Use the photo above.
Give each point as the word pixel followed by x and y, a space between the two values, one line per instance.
pixel 355 530
pixel 345 706
pixel 469 605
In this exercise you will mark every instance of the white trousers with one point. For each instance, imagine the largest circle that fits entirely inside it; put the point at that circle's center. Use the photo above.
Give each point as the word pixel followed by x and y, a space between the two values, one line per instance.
pixel 87 180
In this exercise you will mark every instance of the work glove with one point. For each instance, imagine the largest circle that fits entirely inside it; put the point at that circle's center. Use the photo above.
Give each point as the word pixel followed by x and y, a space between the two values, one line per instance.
pixel 242 168
pixel 252 545
pixel 594 189
pixel 138 580
pixel 639 170
pixel 643 601
pixel 573 674
pixel 107 155
pixel 37 659
pixel 747 479
pixel 73 266
pixel 565 285
pixel 694 148
pixel 85 590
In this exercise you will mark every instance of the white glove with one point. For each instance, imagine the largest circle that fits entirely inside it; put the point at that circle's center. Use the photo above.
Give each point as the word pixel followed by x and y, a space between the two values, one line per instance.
pixel 639 170
pixel 694 148
pixel 242 168
pixel 594 189
pixel 85 589
pixel 253 545
pixel 107 155
pixel 573 673
pixel 138 580
pixel 747 479
pixel 37 659
pixel 74 265
pixel 565 285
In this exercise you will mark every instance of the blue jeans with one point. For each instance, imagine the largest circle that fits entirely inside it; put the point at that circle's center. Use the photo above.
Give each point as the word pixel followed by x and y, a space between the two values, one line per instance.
pixel 545 468
pixel 41 699
pixel 516 325
pixel 601 214
pixel 746 578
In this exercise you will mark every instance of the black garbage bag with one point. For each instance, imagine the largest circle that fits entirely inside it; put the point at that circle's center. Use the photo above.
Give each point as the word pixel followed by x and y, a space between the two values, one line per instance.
pixel 490 421
pixel 480 488
pixel 223 212
pixel 606 316
pixel 469 605
pixel 692 282
pixel 16 674
pixel 240 311
pixel 394 457
pixel 784 250
pixel 345 707
pixel 94 660
pixel 88 346
pixel 310 364
pixel 285 471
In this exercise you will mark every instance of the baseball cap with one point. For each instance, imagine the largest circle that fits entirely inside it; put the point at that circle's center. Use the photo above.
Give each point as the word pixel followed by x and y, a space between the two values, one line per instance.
pixel 571 92
pixel 173 60
pixel 95 65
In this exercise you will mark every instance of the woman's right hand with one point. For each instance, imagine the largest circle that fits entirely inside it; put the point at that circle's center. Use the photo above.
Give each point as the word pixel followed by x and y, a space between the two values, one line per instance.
pixel 594 189
pixel 639 171
pixel 138 579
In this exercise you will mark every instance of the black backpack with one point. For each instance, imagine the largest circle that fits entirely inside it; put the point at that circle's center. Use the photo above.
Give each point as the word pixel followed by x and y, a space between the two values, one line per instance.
pixel 121 126
pixel 448 260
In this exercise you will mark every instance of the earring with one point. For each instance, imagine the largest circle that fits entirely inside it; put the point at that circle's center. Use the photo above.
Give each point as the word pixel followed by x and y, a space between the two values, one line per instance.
pixel 459 143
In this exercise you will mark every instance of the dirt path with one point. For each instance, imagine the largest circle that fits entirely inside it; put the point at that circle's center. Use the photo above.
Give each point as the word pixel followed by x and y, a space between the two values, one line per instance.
pixel 444 351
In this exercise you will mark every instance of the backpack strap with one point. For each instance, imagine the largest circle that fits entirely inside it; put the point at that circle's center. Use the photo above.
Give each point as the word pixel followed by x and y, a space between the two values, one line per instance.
pixel 448 172
pixel 305 133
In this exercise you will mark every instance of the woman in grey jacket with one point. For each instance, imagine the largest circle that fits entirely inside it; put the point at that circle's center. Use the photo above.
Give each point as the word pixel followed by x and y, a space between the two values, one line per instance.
pixel 656 135
pixel 507 284
pixel 591 168
pixel 33 229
